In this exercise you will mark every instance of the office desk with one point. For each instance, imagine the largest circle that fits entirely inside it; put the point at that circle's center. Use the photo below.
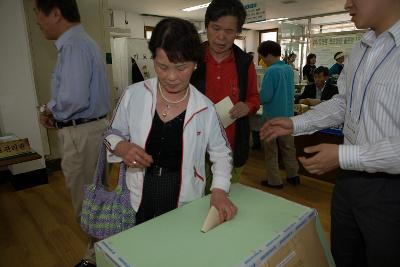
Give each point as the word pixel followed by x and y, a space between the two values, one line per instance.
pixel 331 136
pixel 266 229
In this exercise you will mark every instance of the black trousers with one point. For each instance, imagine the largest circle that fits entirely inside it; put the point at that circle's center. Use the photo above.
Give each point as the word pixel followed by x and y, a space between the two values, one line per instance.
pixel 160 195
pixel 365 220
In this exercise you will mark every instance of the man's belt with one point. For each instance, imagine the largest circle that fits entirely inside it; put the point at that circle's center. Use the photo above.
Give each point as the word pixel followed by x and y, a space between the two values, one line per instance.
pixel 62 124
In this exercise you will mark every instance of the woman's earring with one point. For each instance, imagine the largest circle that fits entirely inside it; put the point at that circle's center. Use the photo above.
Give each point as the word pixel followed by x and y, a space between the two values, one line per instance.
pixel 195 66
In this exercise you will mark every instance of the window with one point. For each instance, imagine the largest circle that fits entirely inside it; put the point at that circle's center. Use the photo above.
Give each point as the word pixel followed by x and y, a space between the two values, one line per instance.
pixel 268 35
pixel 271 35
pixel 148 30
pixel 241 42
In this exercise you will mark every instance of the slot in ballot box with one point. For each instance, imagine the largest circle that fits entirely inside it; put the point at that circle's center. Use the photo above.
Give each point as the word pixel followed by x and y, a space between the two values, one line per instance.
pixel 267 231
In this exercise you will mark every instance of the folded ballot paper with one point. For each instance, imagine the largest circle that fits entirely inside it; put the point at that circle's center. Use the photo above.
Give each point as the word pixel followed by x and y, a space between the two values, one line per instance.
pixel 223 107
pixel 211 221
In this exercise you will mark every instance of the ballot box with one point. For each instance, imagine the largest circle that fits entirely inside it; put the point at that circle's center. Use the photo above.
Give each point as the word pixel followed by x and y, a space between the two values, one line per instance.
pixel 267 231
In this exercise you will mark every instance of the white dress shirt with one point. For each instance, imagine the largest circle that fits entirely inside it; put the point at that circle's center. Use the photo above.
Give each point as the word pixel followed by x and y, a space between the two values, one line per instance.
pixel 372 100
pixel 319 91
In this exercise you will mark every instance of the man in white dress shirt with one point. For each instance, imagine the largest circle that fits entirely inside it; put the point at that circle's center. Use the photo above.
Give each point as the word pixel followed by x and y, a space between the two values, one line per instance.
pixel 365 228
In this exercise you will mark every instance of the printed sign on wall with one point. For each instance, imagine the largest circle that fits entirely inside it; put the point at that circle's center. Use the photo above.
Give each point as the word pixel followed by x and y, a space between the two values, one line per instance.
pixel 255 11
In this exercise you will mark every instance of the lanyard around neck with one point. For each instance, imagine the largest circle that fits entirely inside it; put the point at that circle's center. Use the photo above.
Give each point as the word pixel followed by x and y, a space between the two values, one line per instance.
pixel 369 80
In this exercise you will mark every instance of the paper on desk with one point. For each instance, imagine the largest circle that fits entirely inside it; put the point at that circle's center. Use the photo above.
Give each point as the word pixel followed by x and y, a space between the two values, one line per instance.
pixel 8 138
pixel 211 221
pixel 223 108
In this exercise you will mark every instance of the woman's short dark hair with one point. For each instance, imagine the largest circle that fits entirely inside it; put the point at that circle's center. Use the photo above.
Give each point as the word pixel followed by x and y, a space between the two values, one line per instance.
pixel 269 48
pixel 178 38
pixel 68 8
pixel 222 8
pixel 310 56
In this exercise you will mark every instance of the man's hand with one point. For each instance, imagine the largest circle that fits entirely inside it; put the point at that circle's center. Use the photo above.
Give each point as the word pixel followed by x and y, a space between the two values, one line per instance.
pixel 226 209
pixel 47 120
pixel 310 101
pixel 133 155
pixel 325 159
pixel 314 101
pixel 304 101
pixel 240 109
pixel 276 127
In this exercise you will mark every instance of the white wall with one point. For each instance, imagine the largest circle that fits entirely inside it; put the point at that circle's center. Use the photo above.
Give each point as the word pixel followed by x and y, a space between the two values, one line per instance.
pixel 120 64
pixel 136 22
pixel 18 100
pixel 252 39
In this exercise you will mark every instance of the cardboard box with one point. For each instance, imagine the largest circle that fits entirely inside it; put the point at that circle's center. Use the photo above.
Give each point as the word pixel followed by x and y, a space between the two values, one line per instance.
pixel 296 247
pixel 267 231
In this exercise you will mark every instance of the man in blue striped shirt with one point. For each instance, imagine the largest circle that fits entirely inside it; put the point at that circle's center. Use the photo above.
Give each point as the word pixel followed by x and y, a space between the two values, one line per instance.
pixel 365 227
pixel 277 98
pixel 79 102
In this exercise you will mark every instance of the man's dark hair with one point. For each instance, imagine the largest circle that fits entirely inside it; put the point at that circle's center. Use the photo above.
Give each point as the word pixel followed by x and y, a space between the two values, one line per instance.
pixel 178 38
pixel 269 48
pixel 321 69
pixel 68 8
pixel 222 8
pixel 310 56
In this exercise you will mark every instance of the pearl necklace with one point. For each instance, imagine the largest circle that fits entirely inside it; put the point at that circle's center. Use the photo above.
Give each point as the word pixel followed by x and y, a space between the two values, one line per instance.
pixel 168 102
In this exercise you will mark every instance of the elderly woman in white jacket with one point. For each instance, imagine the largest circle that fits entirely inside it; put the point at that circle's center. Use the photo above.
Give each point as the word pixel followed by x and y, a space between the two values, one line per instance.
pixel 163 128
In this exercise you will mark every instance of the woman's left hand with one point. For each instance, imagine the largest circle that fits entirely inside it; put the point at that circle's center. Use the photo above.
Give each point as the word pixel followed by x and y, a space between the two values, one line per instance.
pixel 240 109
pixel 226 209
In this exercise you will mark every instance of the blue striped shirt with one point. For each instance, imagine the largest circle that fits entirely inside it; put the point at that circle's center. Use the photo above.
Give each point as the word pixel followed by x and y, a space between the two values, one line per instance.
pixel 377 146
pixel 79 82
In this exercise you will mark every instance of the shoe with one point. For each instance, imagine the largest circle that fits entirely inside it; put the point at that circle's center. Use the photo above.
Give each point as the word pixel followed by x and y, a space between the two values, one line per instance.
pixel 85 263
pixel 293 180
pixel 265 183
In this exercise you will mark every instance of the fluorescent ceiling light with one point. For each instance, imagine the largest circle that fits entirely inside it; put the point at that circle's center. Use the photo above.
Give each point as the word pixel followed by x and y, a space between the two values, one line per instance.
pixel 193 8
pixel 269 20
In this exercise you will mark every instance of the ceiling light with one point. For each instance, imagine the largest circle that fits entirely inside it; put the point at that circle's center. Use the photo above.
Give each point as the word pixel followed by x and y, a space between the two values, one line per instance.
pixel 270 20
pixel 286 2
pixel 193 8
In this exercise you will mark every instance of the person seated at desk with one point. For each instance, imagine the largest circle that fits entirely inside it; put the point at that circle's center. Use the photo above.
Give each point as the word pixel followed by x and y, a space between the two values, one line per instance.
pixel 319 91
pixel 336 68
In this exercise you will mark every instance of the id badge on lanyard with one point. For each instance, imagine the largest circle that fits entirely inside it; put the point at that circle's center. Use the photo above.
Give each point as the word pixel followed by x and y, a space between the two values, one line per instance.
pixel 352 123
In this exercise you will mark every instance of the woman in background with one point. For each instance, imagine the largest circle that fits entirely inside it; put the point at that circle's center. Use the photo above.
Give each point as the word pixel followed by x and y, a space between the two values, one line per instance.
pixel 290 59
pixel 308 69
